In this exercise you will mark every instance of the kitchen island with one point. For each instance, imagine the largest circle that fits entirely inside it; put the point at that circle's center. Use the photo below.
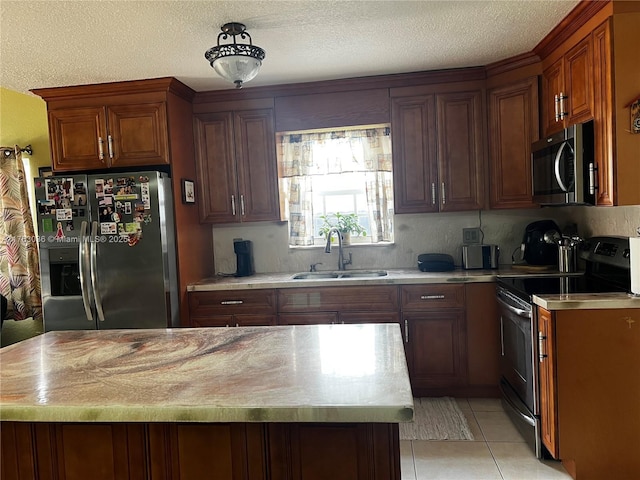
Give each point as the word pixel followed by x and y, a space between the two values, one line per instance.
pixel 308 402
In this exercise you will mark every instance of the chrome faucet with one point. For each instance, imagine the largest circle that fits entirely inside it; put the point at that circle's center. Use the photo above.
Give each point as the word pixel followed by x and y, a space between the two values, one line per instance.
pixel 327 249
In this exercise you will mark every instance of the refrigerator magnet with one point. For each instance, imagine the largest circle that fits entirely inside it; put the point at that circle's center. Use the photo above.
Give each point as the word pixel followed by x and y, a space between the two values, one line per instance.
pixel 64 214
pixel 99 187
pixel 108 228
pixel 47 225
pixel 59 231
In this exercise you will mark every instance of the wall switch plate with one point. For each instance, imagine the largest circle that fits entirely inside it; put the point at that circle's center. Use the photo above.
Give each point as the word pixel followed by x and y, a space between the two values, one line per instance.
pixel 470 235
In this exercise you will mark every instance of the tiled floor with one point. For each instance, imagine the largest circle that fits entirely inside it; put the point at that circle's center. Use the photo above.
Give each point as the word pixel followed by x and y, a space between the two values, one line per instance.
pixel 498 452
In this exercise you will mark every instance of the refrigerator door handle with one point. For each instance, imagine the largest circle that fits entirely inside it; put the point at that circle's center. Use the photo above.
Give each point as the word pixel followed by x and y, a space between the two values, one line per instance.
pixel 81 263
pixel 94 269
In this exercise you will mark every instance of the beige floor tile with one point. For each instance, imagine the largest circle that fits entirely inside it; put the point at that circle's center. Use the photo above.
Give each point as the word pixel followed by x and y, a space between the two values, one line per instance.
pixel 473 425
pixel 485 404
pixel 497 427
pixel 407 469
pixel 463 404
pixel 516 461
pixel 454 461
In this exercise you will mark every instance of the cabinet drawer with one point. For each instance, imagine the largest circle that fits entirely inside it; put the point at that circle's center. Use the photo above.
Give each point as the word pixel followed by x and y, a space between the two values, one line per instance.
pixel 436 296
pixel 231 302
pixel 340 299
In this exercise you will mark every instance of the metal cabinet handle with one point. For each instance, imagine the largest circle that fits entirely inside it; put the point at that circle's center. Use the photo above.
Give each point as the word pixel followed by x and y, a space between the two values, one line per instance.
pixel 433 193
pixel 541 343
pixel 431 297
pixel 233 205
pixel 82 253
pixel 242 205
pixel 406 331
pixel 110 145
pixel 444 199
pixel 592 178
pixel 556 100
pixel 231 302
pixel 563 113
pixel 100 148
pixel 94 270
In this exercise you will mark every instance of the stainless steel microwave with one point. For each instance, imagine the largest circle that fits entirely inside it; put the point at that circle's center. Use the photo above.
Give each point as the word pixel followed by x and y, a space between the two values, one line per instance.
pixel 563 167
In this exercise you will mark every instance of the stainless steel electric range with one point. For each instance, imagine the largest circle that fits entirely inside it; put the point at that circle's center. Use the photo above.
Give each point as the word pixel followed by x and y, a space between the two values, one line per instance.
pixel 606 269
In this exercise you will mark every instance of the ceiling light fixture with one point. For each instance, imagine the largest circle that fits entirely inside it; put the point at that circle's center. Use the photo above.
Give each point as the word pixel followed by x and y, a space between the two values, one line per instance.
pixel 235 62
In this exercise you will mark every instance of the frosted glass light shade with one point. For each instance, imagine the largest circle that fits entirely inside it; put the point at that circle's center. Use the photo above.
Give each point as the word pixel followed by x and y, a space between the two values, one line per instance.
pixel 237 69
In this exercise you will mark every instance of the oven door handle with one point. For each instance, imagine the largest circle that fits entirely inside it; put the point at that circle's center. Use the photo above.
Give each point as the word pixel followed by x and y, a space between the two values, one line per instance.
pixel 518 311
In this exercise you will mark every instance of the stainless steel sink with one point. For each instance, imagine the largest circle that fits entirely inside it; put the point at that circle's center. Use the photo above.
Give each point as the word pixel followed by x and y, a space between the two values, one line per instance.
pixel 314 275
pixel 363 273
pixel 345 274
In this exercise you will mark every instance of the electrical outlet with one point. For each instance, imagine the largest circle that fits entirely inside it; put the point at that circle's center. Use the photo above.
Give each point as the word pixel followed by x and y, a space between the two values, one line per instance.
pixel 470 235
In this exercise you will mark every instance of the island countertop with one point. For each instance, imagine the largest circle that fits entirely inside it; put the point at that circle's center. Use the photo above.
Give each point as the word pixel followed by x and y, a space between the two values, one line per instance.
pixel 318 373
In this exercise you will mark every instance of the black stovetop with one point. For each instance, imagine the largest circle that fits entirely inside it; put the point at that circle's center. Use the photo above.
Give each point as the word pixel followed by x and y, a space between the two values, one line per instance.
pixel 525 287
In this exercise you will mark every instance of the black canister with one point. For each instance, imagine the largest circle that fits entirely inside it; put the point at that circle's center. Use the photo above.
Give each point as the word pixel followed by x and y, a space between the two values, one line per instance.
pixel 244 257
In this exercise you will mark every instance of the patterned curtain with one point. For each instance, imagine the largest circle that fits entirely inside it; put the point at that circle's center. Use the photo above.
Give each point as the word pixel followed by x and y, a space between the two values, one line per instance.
pixel 370 153
pixel 19 267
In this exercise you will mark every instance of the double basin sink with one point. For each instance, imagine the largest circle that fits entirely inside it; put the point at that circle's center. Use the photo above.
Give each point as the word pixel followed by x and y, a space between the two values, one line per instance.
pixel 340 274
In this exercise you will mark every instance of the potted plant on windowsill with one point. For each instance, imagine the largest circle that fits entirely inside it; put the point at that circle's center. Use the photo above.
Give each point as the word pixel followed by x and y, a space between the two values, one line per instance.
pixel 346 223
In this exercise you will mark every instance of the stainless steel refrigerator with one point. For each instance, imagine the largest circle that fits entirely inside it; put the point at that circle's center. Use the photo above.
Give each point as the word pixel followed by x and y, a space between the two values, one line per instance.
pixel 107 251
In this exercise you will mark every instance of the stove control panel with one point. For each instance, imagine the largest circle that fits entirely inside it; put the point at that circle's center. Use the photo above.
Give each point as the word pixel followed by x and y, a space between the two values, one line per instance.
pixel 613 251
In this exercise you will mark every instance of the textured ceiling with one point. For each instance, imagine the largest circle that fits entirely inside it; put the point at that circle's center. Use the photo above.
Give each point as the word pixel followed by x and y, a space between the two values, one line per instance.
pixel 56 43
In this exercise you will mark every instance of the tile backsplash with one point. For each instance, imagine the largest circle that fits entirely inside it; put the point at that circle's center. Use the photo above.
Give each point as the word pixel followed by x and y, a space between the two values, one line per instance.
pixel 415 234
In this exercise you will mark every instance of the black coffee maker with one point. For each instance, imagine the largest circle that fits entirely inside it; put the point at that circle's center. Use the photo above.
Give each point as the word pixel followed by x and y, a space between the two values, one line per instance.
pixel 539 244
pixel 244 257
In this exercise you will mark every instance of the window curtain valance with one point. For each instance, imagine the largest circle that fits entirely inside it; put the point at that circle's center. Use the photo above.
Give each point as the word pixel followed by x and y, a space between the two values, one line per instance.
pixel 321 153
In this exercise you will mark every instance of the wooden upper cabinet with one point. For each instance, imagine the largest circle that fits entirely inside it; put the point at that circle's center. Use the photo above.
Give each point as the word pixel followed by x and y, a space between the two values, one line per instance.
pixel 256 165
pixel 567 88
pixel 460 150
pixel 236 161
pixel 137 135
pixel 78 138
pixel 415 170
pixel 437 152
pixel 114 125
pixel 513 127
pixel 127 135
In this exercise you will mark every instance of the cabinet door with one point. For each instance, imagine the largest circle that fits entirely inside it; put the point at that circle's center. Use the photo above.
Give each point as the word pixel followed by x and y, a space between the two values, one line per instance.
pixel 603 112
pixel 436 352
pixel 216 167
pixel 138 135
pixel 460 150
pixel 552 85
pixel 513 126
pixel 255 150
pixel 548 409
pixel 321 451
pixel 315 318
pixel 78 138
pixel 578 73
pixel 234 320
pixel 220 451
pixel 91 450
pixel 369 317
pixel 415 171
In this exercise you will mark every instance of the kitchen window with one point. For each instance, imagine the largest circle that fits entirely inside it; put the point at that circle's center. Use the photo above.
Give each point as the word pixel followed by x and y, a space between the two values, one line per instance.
pixel 323 172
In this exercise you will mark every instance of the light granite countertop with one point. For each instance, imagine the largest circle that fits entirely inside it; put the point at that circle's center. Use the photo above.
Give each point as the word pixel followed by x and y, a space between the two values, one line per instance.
pixel 586 301
pixel 400 276
pixel 318 373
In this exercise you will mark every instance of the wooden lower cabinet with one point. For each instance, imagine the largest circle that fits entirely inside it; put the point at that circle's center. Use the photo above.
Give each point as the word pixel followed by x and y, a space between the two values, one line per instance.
pixel 590 392
pixel 228 308
pixel 451 331
pixel 195 451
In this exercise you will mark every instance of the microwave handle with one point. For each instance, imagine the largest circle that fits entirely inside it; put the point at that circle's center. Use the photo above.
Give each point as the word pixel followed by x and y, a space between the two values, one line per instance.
pixel 557 167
